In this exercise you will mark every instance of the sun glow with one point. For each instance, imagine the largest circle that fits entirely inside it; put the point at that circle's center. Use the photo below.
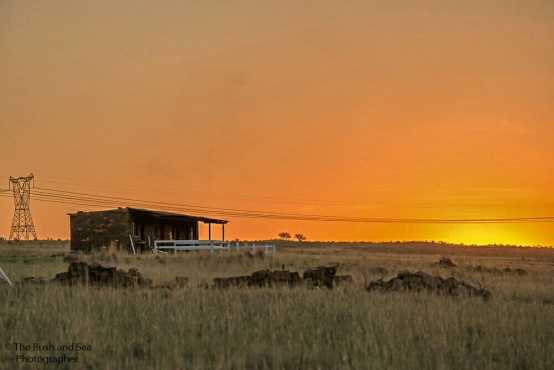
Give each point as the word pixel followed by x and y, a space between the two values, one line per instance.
pixel 488 234
pixel 186 104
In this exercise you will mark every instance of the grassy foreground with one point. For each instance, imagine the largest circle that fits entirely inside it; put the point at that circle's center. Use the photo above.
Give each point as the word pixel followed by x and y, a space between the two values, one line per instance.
pixel 347 328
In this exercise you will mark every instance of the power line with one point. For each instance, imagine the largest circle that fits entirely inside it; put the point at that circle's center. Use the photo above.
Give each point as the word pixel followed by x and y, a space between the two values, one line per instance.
pixel 194 207
pixel 59 196
pixel 118 188
pixel 93 200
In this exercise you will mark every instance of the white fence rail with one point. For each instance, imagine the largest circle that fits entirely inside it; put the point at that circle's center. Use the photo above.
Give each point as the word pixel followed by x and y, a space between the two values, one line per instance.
pixel 207 245
pixel 5 277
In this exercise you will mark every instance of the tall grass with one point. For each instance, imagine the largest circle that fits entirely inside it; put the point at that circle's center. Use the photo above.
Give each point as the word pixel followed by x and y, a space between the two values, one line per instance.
pixel 347 328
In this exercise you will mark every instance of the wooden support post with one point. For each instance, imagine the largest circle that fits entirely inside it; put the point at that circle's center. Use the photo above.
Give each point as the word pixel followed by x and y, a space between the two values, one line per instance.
pixel 223 232
pixel 132 244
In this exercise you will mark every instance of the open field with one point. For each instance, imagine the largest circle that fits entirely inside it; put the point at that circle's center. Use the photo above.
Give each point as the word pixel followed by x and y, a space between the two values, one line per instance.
pixel 281 328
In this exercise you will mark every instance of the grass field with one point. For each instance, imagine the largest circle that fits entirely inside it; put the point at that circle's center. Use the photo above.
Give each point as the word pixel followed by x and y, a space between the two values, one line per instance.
pixel 301 328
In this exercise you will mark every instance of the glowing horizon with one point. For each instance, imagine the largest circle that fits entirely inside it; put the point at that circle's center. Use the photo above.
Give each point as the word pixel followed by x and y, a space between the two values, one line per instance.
pixel 367 109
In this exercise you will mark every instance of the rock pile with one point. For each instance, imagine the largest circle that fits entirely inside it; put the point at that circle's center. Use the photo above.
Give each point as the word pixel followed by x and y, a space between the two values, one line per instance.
pixel 322 276
pixel 263 278
pixel 319 277
pixel 81 273
pixel 267 278
pixel 326 276
pixel 94 274
pixel 421 281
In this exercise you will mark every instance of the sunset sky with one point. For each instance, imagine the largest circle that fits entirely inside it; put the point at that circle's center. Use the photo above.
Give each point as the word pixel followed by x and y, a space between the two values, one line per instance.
pixel 427 109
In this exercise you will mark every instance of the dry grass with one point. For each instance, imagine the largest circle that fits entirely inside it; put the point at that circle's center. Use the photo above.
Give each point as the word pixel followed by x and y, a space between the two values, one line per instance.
pixel 347 328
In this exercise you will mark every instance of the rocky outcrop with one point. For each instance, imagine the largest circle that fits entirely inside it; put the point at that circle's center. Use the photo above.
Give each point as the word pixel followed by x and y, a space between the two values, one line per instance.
pixel 81 273
pixel 323 276
pixel 318 277
pixel 262 278
pixel 423 282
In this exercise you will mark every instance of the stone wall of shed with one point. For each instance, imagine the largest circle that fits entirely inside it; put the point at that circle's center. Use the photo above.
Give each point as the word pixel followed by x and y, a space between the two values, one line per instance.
pixel 94 230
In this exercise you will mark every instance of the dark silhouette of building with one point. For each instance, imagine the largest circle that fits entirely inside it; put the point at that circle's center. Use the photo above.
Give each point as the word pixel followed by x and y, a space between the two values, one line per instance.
pixel 117 227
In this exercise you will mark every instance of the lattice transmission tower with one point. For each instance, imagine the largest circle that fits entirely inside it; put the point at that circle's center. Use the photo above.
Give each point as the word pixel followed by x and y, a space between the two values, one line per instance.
pixel 22 224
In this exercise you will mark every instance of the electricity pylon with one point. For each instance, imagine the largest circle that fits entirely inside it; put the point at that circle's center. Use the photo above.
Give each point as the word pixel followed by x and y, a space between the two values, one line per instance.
pixel 22 224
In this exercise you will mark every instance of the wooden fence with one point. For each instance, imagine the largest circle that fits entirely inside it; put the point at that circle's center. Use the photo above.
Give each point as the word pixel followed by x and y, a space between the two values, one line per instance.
pixel 208 245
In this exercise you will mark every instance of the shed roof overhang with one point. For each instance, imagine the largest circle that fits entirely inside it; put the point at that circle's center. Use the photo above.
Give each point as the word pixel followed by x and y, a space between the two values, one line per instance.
pixel 170 216
pixel 164 216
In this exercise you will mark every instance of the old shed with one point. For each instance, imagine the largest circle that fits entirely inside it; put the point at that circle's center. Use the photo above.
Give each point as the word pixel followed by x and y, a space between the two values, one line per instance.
pixel 117 227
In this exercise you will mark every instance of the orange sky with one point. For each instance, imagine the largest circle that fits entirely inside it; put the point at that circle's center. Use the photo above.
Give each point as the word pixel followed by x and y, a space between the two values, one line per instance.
pixel 439 109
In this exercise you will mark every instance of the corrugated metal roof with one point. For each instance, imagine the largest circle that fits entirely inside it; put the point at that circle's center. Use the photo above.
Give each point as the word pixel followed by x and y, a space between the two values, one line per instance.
pixel 165 214
pixel 161 215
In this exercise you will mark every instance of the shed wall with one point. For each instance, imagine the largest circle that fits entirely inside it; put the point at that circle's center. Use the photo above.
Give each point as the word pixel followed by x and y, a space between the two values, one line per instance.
pixel 94 230
pixel 151 229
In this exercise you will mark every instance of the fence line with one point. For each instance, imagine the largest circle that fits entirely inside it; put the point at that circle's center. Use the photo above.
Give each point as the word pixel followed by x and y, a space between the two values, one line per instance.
pixel 208 245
